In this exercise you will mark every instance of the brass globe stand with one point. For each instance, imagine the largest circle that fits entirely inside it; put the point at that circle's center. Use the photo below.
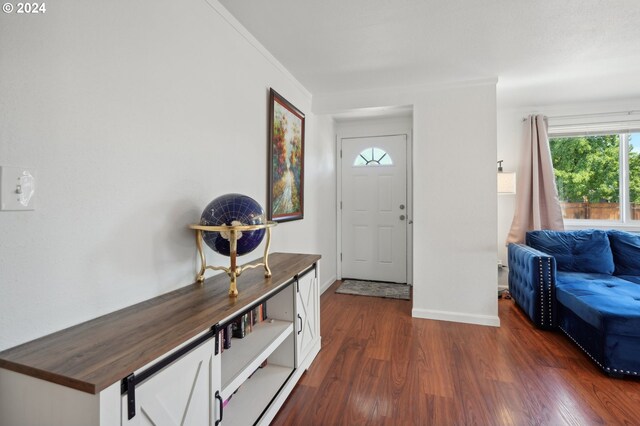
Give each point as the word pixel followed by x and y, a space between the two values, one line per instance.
pixel 235 232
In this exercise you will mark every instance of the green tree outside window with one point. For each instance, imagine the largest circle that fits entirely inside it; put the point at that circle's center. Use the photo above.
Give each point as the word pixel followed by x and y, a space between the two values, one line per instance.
pixel 587 169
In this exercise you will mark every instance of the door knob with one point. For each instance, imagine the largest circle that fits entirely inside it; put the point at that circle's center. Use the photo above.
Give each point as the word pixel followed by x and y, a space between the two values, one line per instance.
pixel 402 217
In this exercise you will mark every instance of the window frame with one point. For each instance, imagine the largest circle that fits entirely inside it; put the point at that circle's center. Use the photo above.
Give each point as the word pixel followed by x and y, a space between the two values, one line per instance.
pixel 625 221
pixel 373 162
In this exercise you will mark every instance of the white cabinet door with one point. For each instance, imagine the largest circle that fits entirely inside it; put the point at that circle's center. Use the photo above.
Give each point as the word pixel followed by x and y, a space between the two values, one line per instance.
pixel 180 394
pixel 307 314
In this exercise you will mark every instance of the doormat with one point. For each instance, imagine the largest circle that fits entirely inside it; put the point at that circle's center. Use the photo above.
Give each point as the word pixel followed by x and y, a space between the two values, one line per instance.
pixel 375 289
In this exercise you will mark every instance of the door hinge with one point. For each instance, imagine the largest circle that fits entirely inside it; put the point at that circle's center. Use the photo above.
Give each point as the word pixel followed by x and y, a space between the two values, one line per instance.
pixel 340 205
pixel 340 153
pixel 340 257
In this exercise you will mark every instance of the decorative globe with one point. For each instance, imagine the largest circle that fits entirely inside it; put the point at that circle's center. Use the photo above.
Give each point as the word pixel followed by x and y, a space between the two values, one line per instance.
pixel 233 209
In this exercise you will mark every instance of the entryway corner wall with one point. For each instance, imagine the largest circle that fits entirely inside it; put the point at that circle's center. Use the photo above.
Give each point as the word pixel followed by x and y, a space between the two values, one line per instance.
pixel 454 151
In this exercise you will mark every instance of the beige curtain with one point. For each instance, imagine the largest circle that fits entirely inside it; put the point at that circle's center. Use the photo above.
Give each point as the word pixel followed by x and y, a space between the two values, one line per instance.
pixel 537 205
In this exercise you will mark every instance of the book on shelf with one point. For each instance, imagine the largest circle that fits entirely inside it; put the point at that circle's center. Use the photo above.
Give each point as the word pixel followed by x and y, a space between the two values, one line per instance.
pixel 238 327
pixel 255 315
pixel 243 324
pixel 227 332
pixel 248 327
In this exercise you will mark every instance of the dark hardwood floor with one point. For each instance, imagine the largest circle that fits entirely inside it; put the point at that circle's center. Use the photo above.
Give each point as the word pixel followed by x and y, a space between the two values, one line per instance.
pixel 379 366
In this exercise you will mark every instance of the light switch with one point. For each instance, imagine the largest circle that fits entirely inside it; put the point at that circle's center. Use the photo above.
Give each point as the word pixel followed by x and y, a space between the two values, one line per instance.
pixel 17 188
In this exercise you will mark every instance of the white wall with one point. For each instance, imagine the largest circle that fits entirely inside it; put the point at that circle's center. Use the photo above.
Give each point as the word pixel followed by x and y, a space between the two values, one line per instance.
pixel 454 149
pixel 367 126
pixel 136 115
pixel 317 232
pixel 510 142
pixel 510 139
pixel 455 206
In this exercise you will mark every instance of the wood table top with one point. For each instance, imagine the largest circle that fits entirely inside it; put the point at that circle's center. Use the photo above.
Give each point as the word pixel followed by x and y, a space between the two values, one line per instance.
pixel 95 354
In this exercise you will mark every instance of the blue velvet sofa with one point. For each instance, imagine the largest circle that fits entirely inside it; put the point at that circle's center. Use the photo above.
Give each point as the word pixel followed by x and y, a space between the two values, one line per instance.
pixel 587 284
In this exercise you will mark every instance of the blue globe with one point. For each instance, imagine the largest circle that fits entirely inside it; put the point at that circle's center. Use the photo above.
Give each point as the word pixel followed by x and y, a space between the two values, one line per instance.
pixel 233 209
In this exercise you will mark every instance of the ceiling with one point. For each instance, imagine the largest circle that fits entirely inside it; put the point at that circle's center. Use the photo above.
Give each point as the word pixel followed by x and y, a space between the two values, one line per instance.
pixel 543 52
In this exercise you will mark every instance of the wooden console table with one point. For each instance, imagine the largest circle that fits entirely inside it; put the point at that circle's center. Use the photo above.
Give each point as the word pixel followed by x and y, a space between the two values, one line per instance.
pixel 79 375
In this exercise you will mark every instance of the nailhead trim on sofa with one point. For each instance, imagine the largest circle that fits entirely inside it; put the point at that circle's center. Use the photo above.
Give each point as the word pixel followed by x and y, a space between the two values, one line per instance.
pixel 548 277
pixel 548 294
pixel 614 370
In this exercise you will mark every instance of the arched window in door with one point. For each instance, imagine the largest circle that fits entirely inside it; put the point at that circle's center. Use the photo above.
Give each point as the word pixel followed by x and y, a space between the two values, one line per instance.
pixel 373 157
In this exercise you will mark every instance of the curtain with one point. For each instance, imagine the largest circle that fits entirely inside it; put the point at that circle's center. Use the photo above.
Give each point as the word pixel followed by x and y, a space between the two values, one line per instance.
pixel 537 205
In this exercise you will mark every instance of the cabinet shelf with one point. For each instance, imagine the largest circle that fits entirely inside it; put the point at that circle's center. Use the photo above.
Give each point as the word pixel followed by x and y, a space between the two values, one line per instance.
pixel 246 355
pixel 255 394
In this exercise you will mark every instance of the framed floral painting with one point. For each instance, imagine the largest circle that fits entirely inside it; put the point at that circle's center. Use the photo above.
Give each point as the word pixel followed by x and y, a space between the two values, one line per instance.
pixel 286 160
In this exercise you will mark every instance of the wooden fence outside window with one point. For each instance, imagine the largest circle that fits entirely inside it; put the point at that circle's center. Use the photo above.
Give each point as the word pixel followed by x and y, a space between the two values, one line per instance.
pixel 597 211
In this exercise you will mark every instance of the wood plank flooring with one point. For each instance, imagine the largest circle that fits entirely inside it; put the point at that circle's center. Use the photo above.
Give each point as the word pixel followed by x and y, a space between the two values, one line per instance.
pixel 379 366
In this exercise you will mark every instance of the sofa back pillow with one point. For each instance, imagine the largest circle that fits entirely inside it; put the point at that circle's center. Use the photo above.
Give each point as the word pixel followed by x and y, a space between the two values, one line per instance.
pixel 625 247
pixel 575 251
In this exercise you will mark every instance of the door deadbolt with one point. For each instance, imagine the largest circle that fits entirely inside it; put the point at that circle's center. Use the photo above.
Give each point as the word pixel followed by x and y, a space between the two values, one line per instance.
pixel 401 206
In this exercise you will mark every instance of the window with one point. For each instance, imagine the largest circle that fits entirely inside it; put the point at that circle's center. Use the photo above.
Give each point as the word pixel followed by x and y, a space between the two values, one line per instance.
pixel 373 157
pixel 598 176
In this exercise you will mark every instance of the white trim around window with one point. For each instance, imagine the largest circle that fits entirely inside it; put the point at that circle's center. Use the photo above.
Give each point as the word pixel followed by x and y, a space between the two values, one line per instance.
pixel 592 128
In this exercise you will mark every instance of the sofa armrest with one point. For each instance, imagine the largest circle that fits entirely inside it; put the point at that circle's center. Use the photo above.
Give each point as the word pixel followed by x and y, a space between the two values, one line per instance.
pixel 532 278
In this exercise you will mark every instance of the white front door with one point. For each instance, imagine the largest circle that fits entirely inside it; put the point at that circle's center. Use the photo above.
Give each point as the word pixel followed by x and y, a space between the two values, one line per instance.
pixel 374 208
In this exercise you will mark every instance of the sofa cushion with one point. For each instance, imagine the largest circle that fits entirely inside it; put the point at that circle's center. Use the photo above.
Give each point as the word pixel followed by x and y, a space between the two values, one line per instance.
pixel 632 278
pixel 575 251
pixel 608 303
pixel 625 247
pixel 567 278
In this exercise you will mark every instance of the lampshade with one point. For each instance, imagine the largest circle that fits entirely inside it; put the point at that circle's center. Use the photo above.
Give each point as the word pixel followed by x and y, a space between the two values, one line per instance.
pixel 506 182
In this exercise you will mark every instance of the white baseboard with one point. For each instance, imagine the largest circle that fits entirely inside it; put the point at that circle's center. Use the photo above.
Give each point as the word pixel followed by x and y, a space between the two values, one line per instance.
pixel 493 321
pixel 327 284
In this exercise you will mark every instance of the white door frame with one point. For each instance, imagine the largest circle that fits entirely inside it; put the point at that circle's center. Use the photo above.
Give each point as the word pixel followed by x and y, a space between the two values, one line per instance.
pixel 349 135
